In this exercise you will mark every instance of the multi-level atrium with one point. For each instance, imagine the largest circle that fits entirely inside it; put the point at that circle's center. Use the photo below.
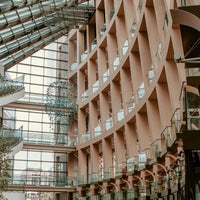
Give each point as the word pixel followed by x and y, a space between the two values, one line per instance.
pixel 100 99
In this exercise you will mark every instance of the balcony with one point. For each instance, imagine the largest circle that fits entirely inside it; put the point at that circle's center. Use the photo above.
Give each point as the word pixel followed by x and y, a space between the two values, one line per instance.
pixel 131 104
pixel 103 30
pixel 143 158
pixel 107 196
pixel 95 86
pixel 84 55
pixel 97 131
pixel 94 178
pixel 120 170
pixel 120 195
pixel 85 96
pixel 125 47
pixel 116 63
pixel 156 149
pixel 86 137
pixel 120 115
pixel 131 194
pixel 106 75
pixel 74 66
pixel 93 44
pixel 112 12
pixel 130 163
pixel 141 91
pixel 133 29
pixel 109 123
pixel 150 75
pixel 108 174
pixel 39 180
pixel 82 180
pixel 168 136
pixel 50 139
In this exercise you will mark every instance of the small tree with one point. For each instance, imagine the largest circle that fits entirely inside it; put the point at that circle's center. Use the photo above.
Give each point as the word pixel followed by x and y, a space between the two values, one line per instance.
pixel 5 143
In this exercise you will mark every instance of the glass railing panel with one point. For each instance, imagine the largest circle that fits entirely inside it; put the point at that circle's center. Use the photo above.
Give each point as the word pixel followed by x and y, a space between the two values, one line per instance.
pixel 116 63
pixel 131 104
pixel 108 173
pixel 39 180
pixel 133 29
pixel 95 86
pixel 109 123
pixel 86 137
pixel 93 177
pixel 97 131
pixel 142 191
pixel 95 197
pixel 84 96
pixel 84 56
pixel 106 75
pixel 81 180
pixel 112 12
pixel 130 165
pixel 120 169
pixel 120 115
pixel 169 136
pixel 125 47
pixel 93 44
pixel 119 196
pixel 141 91
pixel 74 66
pixel 176 120
pixel 151 74
pixel 107 196
pixel 103 30
pixel 156 148
pixel 131 194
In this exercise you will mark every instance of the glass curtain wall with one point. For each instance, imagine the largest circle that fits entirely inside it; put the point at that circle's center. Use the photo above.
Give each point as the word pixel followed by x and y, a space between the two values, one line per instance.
pixel 39 167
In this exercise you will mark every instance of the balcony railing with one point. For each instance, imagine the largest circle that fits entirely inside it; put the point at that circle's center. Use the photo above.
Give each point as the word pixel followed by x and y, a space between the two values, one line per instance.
pixel 120 115
pixel 108 173
pixel 141 91
pixel 50 138
pixel 133 28
pixel 112 12
pixel 120 170
pixel 106 75
pixel 131 194
pixel 95 86
pixel 40 180
pixel 130 163
pixel 125 47
pixel 93 177
pixel 97 131
pixel 86 137
pixel 74 66
pixel 193 72
pixel 143 158
pixel 103 30
pixel 151 74
pixel 107 196
pixel 156 149
pixel 82 180
pixel 93 44
pixel 131 104
pixel 116 63
pixel 109 123
pixel 120 195
pixel 169 136
pixel 84 55
pixel 85 95
pixel 176 120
